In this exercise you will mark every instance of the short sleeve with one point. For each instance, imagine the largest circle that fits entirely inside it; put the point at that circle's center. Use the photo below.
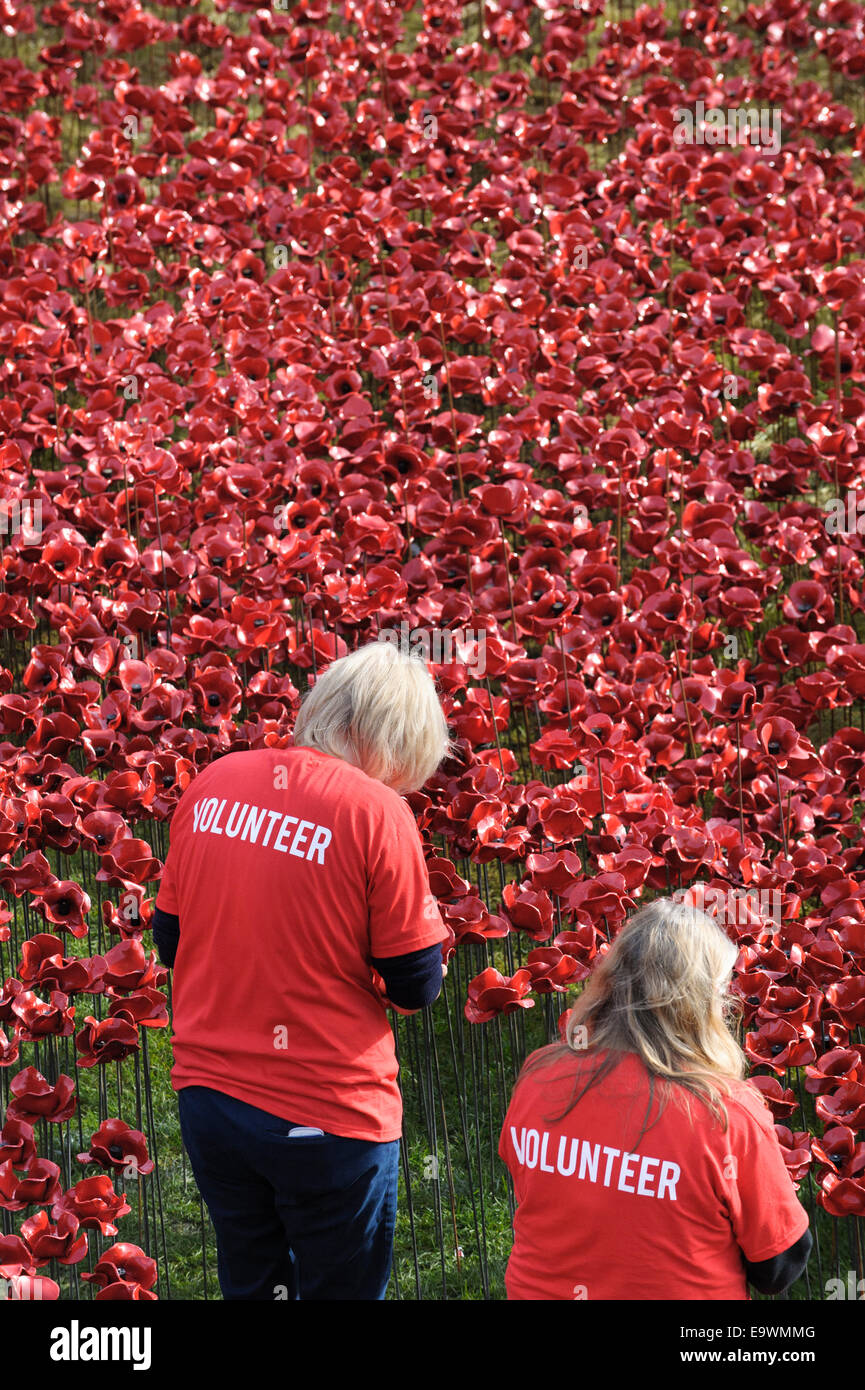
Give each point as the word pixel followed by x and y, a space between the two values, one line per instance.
pixel 767 1216
pixel 403 912
pixel 504 1148
pixel 515 1109
pixel 167 893
pixel 166 896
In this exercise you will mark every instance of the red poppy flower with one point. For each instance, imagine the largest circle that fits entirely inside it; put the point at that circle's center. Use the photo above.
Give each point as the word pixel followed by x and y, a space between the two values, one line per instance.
pixel 39 1019
pixel 123 1291
pixel 33 1098
pixel 491 993
pixel 553 970
pixel 839 1064
pixel 148 1008
pixel 123 1263
pixel 602 899
pixel 107 1041
pixel 131 861
pixel 116 1146
pixel 65 904
pixel 94 1203
pixel 737 700
pixel 844 1106
pixel 780 1045
pixel 61 1241
pixel 562 818
pixel 554 872
pixel 842 1196
pixel 839 1152
pixel 38 1187
pixel 781 1102
pixel 796 1151
pixel 528 911
pixel 127 968
pixel 847 997
pixel 15 1256
pixel 43 964
pixel 17 1144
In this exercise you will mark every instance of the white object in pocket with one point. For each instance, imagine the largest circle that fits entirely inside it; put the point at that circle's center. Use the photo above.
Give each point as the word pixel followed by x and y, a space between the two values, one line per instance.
pixel 305 1132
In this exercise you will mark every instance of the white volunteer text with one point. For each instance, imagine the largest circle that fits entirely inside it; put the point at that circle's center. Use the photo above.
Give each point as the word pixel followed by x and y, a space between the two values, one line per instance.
pixel 245 821
pixel 531 1149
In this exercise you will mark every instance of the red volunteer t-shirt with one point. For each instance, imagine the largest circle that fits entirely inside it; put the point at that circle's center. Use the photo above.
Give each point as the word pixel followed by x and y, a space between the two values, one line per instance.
pixel 288 869
pixel 601 1216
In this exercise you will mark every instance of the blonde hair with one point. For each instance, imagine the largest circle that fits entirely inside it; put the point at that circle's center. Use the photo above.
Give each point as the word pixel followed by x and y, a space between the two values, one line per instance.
pixel 377 708
pixel 660 992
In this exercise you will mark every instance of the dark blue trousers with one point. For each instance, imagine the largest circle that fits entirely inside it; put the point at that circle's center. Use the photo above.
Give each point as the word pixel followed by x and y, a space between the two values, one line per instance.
pixel 301 1218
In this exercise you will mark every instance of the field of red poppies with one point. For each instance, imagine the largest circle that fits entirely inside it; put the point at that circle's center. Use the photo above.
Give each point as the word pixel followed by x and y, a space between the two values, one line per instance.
pixel 499 320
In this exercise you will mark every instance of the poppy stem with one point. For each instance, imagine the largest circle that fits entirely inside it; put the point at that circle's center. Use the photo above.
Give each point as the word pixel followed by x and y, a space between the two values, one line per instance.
pixel 329 290
pixel 407 526
pixel 402 400
pixel 162 565
pixel 691 740
pixel 739 770
pixel 469 571
pixel 565 679
pixel 781 810
pixel 508 575
pixel 126 496
pixel 495 730
pixel 619 533
pixel 839 418
pixel 453 412
pixel 310 169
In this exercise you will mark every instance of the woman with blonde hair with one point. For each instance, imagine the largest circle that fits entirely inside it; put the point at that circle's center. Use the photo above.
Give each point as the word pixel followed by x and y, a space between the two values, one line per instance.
pixel 292 875
pixel 644 1165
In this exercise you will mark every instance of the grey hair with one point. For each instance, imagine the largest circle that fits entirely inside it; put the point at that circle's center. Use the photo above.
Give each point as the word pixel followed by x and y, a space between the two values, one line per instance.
pixel 379 709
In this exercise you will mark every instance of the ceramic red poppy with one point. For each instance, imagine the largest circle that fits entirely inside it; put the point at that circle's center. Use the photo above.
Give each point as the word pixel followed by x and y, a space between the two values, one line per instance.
pixel 116 1146
pixel 94 1204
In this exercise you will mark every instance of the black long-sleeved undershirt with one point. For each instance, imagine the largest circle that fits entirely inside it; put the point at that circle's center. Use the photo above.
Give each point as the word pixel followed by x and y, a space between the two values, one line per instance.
pixel 166 934
pixel 775 1275
pixel 412 981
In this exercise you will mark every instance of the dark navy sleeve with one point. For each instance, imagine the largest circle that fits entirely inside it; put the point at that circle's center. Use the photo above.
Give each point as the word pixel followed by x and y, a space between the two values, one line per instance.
pixel 166 934
pixel 776 1275
pixel 414 980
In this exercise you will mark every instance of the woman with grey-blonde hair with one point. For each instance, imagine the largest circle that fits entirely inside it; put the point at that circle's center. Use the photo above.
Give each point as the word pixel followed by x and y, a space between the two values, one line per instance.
pixel 644 1165
pixel 295 878
pixel 378 709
